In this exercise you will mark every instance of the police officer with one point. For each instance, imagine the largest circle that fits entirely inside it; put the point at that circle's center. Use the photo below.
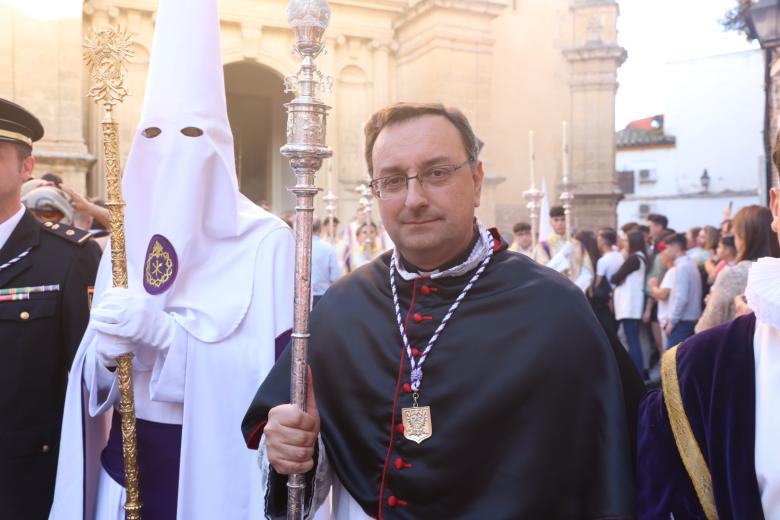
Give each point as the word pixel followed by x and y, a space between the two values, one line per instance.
pixel 46 271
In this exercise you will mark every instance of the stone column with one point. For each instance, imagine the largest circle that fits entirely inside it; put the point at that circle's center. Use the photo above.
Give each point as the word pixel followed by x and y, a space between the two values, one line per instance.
pixel 594 61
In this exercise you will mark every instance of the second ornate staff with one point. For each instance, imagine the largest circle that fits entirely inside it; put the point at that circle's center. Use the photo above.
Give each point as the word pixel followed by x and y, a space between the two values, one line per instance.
pixel 106 55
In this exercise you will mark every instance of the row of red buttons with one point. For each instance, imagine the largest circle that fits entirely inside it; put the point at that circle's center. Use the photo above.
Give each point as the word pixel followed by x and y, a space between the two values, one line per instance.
pixel 400 464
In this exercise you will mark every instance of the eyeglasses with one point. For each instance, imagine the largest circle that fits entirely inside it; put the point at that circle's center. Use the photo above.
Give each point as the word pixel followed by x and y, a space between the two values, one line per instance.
pixel 434 178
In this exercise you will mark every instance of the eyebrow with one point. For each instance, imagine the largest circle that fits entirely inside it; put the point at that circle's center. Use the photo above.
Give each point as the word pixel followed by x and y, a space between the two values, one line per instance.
pixel 429 162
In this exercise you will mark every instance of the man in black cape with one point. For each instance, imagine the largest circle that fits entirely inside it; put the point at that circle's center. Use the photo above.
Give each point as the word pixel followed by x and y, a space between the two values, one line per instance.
pixel 453 379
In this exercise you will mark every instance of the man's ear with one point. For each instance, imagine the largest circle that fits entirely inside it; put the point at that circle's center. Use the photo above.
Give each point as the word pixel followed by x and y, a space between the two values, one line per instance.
pixel 28 165
pixel 479 175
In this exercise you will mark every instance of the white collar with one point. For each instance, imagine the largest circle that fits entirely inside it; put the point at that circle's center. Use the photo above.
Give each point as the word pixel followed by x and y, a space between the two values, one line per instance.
pixel 763 290
pixel 7 227
pixel 478 253
pixel 680 260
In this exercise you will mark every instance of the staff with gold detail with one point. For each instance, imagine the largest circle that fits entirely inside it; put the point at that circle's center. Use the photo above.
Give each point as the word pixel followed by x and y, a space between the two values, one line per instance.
pixel 106 55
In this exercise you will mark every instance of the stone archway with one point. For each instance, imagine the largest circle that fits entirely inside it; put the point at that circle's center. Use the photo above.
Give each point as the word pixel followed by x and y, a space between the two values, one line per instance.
pixel 255 98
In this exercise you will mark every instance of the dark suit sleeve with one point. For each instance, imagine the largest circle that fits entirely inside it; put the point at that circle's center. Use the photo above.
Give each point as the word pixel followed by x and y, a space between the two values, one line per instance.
pixel 81 276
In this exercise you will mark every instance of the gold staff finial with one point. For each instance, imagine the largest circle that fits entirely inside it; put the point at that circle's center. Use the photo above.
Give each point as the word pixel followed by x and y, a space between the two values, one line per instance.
pixel 107 54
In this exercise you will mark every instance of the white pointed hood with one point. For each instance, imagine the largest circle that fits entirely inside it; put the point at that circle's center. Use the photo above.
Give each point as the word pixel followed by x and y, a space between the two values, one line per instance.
pixel 188 227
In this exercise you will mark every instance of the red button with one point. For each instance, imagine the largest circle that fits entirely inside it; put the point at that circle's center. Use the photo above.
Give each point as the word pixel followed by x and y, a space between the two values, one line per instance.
pixel 394 501
pixel 400 464
pixel 400 428
pixel 417 317
pixel 407 388
pixel 416 352
pixel 425 290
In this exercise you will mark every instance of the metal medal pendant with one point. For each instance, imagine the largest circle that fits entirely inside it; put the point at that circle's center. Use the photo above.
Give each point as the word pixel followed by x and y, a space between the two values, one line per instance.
pixel 417 423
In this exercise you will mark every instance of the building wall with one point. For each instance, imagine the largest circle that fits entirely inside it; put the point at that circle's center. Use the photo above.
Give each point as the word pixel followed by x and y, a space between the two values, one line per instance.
pixel 511 65
pixel 717 129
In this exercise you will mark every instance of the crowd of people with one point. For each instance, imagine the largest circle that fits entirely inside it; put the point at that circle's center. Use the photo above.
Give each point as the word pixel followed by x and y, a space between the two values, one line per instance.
pixel 656 286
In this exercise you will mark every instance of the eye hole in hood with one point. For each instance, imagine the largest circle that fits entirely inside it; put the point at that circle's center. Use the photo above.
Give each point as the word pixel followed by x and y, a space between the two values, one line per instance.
pixel 192 131
pixel 151 132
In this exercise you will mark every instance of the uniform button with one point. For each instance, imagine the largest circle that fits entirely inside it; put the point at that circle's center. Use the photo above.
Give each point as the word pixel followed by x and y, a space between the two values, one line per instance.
pixel 417 317
pixel 399 428
pixel 425 290
pixel 48 224
pixel 70 232
pixel 24 315
pixel 407 388
pixel 45 448
pixel 55 226
pixel 416 352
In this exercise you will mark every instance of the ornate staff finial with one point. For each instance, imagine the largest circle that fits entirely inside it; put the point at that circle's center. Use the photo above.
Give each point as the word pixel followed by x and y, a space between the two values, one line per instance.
pixel 107 54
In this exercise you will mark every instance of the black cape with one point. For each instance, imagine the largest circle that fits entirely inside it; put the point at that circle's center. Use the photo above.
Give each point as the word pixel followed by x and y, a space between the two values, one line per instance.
pixel 526 398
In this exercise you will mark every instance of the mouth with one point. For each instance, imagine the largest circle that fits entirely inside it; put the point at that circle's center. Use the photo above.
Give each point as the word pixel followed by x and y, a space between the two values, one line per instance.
pixel 420 222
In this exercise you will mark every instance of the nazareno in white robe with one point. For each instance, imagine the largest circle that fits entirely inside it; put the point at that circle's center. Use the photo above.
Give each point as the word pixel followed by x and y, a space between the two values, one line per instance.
pixel 219 477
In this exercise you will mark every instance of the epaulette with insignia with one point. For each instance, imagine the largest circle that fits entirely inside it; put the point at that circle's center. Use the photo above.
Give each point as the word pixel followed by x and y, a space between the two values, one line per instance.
pixel 69 233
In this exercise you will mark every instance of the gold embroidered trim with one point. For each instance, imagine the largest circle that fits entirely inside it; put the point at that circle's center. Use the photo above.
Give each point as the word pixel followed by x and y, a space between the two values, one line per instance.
pixel 687 446
pixel 16 137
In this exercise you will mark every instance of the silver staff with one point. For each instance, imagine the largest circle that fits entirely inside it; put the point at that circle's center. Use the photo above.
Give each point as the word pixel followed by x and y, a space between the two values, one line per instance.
pixel 534 198
pixel 306 150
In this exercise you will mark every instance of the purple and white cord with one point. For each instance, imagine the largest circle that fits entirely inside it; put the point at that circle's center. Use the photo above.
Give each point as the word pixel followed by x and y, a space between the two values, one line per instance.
pixel 16 259
pixel 416 365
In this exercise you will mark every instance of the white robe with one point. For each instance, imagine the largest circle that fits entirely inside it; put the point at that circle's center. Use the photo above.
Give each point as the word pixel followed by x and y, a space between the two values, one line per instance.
pixel 219 476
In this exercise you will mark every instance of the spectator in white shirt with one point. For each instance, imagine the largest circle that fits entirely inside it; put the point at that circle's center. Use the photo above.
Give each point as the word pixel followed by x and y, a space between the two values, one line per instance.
pixel 325 268
pixel 611 258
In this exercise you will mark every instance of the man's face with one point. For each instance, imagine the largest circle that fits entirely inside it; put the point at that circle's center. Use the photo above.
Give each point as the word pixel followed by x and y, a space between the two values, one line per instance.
pixel 701 240
pixel 429 226
pixel 523 239
pixel 367 235
pixel 559 225
pixel 655 229
pixel 600 243
pixel 13 172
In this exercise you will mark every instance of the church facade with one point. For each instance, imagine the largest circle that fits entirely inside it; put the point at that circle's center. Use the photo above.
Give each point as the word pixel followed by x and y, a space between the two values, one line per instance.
pixel 511 65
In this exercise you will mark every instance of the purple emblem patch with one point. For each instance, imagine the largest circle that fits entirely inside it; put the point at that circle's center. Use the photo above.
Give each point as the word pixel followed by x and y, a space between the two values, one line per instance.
pixel 161 265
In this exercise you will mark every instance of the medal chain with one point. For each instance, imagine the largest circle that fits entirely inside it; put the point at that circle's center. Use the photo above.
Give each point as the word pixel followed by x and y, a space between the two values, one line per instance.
pixel 416 365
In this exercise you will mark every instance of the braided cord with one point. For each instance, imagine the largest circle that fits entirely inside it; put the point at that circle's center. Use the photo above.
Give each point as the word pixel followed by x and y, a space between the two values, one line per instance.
pixel 416 365
pixel 16 259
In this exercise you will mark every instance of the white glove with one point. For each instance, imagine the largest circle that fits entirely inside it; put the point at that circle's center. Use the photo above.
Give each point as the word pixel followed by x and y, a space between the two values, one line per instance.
pixel 567 249
pixel 125 314
pixel 108 348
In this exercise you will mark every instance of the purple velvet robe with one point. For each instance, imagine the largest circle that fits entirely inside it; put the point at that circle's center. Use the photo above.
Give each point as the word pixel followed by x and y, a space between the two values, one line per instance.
pixel 716 371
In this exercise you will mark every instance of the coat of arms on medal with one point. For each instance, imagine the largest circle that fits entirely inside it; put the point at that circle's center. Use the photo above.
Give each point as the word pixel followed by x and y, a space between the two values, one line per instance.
pixel 417 423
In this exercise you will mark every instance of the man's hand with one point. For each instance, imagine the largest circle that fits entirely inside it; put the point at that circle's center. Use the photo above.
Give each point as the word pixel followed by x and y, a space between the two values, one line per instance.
pixel 652 282
pixel 740 303
pixel 290 435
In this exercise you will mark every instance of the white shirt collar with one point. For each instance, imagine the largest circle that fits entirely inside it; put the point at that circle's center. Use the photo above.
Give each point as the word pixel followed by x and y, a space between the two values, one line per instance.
pixel 7 227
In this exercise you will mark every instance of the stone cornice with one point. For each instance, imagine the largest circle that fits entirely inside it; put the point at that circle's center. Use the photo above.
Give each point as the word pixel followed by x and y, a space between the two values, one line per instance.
pixel 584 4
pixel 486 8
pixel 597 52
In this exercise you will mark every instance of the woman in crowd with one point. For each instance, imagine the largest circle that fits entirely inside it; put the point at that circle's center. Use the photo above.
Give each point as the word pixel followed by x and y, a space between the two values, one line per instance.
pixel 590 245
pixel 726 256
pixel 753 239
pixel 367 247
pixel 629 296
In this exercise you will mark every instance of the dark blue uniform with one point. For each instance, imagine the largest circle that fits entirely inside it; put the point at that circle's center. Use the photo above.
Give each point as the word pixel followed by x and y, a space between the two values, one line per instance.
pixel 38 339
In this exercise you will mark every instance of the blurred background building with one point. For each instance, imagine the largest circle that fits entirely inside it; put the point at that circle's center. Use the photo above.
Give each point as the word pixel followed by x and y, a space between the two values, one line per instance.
pixel 511 65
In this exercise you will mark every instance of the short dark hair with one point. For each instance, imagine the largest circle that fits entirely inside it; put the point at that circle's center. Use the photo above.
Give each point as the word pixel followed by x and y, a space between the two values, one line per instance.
pixel 628 227
pixel 608 235
pixel 643 228
pixel 728 241
pixel 327 220
pixel 677 239
pixel 400 112
pixel 521 227
pixel 23 151
pixel 557 211
pixel 660 220
pixel 366 224
pixel 316 226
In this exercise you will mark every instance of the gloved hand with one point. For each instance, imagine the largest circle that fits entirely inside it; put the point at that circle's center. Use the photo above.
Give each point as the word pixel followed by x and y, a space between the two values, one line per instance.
pixel 567 249
pixel 108 348
pixel 126 315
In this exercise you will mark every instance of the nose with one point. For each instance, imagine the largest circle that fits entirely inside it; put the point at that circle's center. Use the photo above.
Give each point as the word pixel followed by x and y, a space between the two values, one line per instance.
pixel 415 195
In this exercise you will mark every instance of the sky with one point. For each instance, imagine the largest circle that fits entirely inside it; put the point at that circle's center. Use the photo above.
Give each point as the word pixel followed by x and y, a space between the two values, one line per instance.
pixel 655 32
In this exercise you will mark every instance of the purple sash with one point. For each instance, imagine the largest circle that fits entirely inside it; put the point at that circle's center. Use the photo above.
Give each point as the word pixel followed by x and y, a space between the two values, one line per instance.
pixel 159 447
